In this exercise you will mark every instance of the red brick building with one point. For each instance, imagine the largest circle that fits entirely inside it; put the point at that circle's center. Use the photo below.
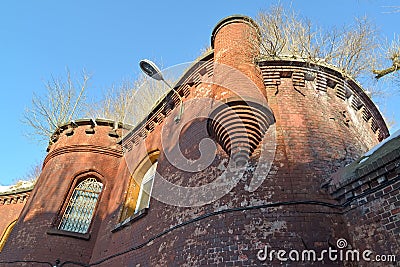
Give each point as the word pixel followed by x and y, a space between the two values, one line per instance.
pixel 12 201
pixel 283 172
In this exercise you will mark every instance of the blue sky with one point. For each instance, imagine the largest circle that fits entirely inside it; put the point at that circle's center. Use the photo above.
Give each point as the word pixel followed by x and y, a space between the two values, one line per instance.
pixel 108 38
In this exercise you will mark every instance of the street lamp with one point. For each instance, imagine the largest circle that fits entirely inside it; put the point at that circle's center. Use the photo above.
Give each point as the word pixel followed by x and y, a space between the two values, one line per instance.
pixel 151 70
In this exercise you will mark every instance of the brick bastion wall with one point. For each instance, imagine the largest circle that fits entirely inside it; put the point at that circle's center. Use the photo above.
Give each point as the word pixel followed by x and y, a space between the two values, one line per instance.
pixel 292 125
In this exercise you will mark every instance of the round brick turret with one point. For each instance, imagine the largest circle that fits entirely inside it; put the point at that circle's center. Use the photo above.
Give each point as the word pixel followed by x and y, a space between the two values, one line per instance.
pixel 78 150
pixel 239 123
pixel 236 43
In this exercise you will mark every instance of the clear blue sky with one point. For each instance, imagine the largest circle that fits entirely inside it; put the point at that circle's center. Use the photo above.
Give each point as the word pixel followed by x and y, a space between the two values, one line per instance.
pixel 108 38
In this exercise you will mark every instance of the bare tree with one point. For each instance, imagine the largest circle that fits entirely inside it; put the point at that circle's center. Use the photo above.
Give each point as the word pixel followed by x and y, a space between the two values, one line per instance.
pixel 148 92
pixel 114 103
pixel 62 102
pixel 66 100
pixel 274 42
pixel 128 102
pixel 357 48
pixel 286 33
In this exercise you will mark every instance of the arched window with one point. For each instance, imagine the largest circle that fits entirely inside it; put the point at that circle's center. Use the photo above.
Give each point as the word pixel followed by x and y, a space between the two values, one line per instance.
pixel 80 209
pixel 140 187
pixel 145 188
pixel 6 234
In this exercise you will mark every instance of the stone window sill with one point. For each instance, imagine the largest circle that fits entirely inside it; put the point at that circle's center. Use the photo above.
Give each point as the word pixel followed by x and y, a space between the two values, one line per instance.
pixel 128 221
pixel 58 232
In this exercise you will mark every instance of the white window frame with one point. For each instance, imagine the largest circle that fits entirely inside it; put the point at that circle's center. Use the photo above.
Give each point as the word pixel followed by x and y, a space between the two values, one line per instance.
pixel 149 176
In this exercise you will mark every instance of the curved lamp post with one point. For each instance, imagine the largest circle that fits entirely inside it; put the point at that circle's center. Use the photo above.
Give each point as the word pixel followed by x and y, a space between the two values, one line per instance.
pixel 151 70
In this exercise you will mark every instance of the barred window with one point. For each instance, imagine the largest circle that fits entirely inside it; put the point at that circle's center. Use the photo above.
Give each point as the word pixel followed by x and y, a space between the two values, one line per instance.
pixel 80 209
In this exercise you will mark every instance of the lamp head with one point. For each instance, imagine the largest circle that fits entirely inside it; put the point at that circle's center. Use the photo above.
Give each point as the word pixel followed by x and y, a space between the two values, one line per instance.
pixel 151 69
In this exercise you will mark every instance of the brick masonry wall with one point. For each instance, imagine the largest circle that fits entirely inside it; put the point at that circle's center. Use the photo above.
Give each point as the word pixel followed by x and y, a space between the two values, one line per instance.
pixel 371 203
pixel 11 206
pixel 318 131
pixel 290 210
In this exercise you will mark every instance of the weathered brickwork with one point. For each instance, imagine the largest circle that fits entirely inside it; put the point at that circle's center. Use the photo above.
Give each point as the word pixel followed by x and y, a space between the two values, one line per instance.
pixel 11 205
pixel 368 189
pixel 312 120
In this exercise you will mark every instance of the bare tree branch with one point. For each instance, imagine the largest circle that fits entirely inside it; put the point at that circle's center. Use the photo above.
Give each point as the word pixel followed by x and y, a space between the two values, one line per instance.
pixel 392 55
pixel 285 33
pixel 61 103
pixel 128 102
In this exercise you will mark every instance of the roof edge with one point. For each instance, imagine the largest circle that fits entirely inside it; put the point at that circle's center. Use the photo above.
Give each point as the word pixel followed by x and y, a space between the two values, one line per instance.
pixel 18 190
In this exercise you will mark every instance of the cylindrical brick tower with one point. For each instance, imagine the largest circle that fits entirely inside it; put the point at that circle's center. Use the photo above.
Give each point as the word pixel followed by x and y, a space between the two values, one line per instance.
pixel 240 121
pixel 62 218
pixel 236 43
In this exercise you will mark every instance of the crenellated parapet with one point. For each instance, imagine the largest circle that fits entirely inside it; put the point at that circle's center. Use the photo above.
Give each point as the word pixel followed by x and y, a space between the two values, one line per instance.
pixel 326 81
pixel 87 135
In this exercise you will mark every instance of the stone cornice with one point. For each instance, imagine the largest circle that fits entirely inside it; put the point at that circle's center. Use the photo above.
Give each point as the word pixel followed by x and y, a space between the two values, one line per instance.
pixel 83 148
pixel 15 197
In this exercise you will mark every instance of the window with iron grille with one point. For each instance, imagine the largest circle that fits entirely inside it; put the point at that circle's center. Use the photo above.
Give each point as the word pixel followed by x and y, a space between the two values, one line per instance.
pixel 80 209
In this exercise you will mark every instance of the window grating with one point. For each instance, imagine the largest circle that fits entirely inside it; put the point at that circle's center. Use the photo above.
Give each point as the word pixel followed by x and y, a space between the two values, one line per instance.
pixel 80 209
